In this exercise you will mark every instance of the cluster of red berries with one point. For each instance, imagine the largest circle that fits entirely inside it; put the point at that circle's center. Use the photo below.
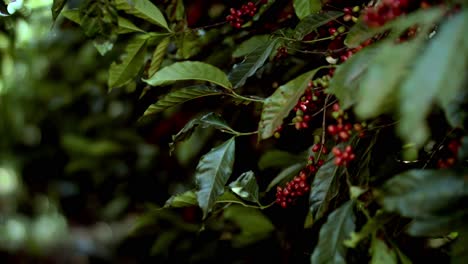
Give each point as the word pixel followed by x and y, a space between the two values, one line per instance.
pixel 451 154
pixel 351 13
pixel 236 16
pixel 295 188
pixel 313 166
pixel 310 102
pixel 343 157
pixel 387 10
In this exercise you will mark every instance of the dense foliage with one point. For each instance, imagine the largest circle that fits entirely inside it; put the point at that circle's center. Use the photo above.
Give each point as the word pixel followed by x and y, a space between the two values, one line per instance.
pixel 299 131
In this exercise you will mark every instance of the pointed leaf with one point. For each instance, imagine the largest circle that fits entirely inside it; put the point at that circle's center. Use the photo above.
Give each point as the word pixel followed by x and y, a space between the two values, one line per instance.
pixel 323 189
pixel 57 7
pixel 281 102
pixel 286 174
pixel 252 62
pixel 248 46
pixel 246 187
pixel 314 21
pixel 158 56
pixel 209 120
pixel 73 15
pixel 143 9
pixel 127 26
pixel 185 199
pixel 190 70
pixel 381 253
pixel 339 225
pixel 303 8
pixel 280 159
pixel 121 74
pixel 212 174
pixel 420 90
pixel 179 96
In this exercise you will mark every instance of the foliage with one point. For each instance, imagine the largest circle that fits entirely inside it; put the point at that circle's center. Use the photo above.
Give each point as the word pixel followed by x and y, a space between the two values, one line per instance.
pixel 297 131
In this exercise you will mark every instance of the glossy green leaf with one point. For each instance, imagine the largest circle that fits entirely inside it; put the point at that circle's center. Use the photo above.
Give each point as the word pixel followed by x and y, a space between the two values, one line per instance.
pixel 360 32
pixel 179 96
pixel 304 8
pixel 381 253
pixel 158 56
pixel 286 174
pixel 324 188
pixel 122 73
pixel 250 45
pixel 246 187
pixel 73 15
pixel 190 70
pixel 339 225
pixel 346 79
pixel 208 120
pixel 212 174
pixel 254 225
pixel 314 21
pixel 143 9
pixel 280 159
pixel 127 26
pixel 252 62
pixel 185 199
pixel 281 102
pixel 378 91
pixel 57 7
pixel 448 48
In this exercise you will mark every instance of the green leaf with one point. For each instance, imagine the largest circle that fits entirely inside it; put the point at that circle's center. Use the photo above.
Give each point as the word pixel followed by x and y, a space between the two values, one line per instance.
pixel 281 102
pixel 179 96
pixel 208 120
pixel 448 47
pixel 127 26
pixel 371 227
pixel 212 174
pixel 360 32
pixel 381 253
pixel 158 56
pixel 250 45
pixel 345 82
pixel 254 226
pixel 185 199
pixel 246 187
pixel 378 91
pixel 339 225
pixel 73 15
pixel 285 174
pixel 280 159
pixel 252 62
pixel 324 188
pixel 143 9
pixel 304 8
pixel 459 252
pixel 190 70
pixel 121 74
pixel 57 7
pixel 314 21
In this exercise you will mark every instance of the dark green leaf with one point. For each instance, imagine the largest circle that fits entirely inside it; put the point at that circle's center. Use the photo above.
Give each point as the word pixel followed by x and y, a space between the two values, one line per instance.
pixel 143 9
pixel 381 253
pixel 121 74
pixel 438 225
pixel 164 241
pixel 314 21
pixel 280 159
pixel 179 96
pixel 246 187
pixel 212 174
pixel 252 62
pixel 185 199
pixel 209 120
pixel 253 224
pixel 281 102
pixel 304 8
pixel 285 174
pixel 190 70
pixel 339 225
pixel 459 251
pixel 250 45
pixel 323 189
pixel 57 7
pixel 372 225
pixel 158 56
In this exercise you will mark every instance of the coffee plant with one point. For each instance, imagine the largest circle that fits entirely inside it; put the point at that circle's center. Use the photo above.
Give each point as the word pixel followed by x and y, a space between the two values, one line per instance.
pixel 308 131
